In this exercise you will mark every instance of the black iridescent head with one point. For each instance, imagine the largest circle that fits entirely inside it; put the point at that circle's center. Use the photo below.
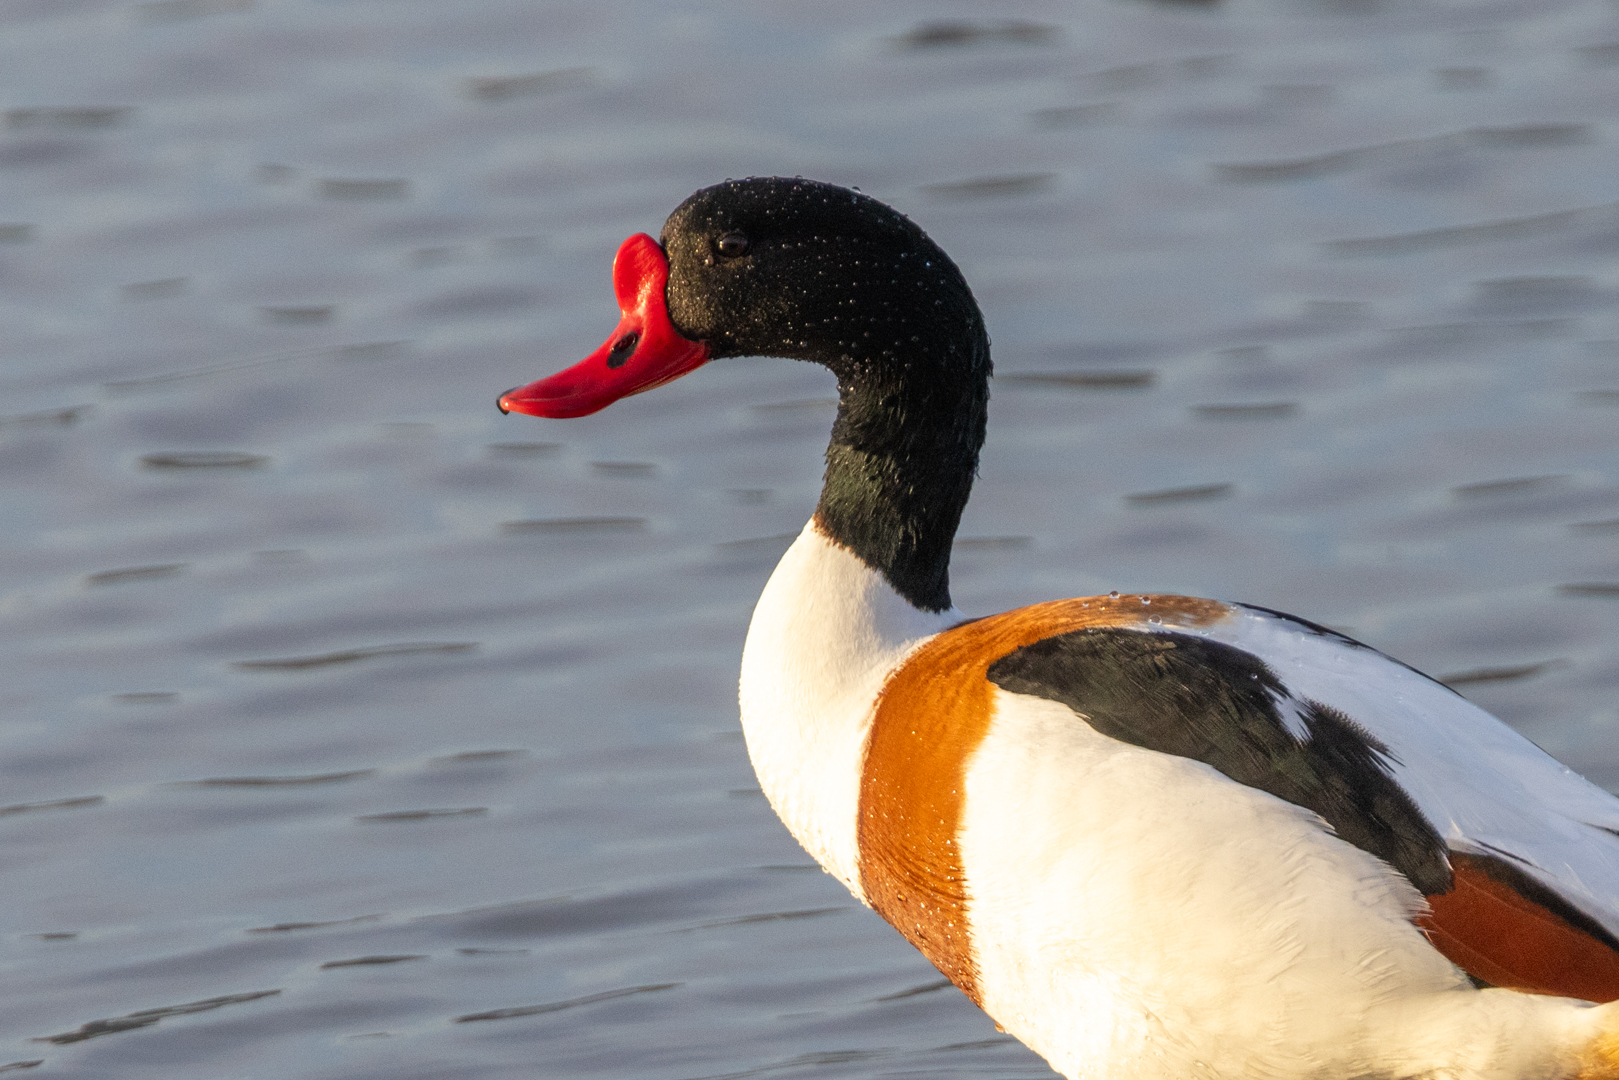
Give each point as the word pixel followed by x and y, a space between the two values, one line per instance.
pixel 771 266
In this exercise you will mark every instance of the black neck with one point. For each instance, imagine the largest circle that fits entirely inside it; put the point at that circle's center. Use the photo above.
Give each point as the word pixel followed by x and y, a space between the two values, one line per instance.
pixel 902 459
pixel 781 266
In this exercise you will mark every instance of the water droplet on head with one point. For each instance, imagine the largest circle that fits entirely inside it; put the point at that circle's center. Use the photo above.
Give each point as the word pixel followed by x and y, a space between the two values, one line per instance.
pixel 1154 619
pixel 1114 595
pixel 1146 599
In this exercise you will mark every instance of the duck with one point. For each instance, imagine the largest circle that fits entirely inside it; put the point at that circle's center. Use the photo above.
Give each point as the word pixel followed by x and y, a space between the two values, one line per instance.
pixel 1152 836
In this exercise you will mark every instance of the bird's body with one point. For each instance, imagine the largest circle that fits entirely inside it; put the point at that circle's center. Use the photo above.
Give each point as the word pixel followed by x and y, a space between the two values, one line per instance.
pixel 1126 911
pixel 1153 836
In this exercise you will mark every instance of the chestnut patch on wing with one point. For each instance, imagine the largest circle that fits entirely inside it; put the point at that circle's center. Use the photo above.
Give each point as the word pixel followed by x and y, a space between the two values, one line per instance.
pixel 1506 928
pixel 932 714
pixel 1223 706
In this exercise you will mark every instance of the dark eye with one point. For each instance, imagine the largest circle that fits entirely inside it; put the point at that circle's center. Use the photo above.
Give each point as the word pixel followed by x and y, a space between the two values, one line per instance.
pixel 733 244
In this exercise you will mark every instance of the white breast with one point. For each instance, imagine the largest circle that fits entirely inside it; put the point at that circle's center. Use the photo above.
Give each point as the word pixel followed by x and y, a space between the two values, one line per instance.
pixel 825 635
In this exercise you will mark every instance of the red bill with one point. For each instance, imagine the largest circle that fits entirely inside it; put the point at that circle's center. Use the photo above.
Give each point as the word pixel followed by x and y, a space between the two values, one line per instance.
pixel 645 351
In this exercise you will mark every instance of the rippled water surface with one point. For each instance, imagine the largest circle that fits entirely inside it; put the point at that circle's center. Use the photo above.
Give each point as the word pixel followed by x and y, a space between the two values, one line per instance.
pixel 353 730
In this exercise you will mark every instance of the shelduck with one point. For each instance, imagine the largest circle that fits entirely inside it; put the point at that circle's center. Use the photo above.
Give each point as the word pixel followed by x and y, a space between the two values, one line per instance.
pixel 1154 837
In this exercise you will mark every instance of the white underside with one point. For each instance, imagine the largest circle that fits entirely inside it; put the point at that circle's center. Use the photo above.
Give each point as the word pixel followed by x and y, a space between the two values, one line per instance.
pixel 1140 916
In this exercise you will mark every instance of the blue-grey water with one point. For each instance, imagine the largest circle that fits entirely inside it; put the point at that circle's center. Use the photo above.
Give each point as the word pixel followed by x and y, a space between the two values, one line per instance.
pixel 352 730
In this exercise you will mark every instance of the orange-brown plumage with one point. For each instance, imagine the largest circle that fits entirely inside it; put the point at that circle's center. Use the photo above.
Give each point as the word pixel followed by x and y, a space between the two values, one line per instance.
pixel 1500 936
pixel 932 714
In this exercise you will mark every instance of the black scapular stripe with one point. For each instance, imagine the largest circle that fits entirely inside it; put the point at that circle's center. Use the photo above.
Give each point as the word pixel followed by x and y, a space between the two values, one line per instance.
pixel 1217 704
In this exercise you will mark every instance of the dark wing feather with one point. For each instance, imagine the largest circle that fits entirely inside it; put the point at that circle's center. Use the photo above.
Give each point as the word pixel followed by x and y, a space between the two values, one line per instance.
pixel 1221 705
pixel 1215 703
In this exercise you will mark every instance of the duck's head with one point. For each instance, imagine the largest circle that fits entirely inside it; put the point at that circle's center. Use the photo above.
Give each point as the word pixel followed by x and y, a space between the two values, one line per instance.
pixel 771 266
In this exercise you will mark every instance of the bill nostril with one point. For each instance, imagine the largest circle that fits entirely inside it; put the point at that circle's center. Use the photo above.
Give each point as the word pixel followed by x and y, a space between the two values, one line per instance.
pixel 623 349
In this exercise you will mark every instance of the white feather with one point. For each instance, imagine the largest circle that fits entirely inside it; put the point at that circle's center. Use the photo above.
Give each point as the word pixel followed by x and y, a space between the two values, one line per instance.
pixel 825 635
pixel 1140 916
pixel 1481 784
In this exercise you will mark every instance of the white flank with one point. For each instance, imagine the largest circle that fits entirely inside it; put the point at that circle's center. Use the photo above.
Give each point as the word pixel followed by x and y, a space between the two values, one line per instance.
pixel 1140 915
pixel 825 635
